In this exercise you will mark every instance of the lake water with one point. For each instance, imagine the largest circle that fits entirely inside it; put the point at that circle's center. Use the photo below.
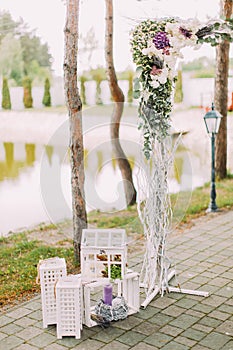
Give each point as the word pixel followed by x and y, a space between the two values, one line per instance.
pixel 35 176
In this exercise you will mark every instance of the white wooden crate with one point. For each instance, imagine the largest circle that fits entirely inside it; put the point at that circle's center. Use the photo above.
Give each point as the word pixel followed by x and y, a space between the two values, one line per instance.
pixel 103 252
pixel 69 306
pixel 128 288
pixel 50 270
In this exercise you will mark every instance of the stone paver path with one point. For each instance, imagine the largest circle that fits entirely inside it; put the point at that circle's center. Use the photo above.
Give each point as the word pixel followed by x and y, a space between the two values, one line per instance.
pixel 204 260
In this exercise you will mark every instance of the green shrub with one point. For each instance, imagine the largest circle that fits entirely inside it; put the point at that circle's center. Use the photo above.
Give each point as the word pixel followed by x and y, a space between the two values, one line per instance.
pixel 47 97
pixel 178 97
pixel 27 93
pixel 83 79
pixel 6 99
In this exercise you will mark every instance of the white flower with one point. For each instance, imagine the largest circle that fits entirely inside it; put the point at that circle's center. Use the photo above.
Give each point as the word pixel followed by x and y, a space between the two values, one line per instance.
pixel 151 50
pixel 154 83
pixel 160 78
pixel 145 94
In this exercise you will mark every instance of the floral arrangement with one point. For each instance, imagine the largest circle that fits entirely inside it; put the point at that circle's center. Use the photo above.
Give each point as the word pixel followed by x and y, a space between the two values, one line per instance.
pixel 156 46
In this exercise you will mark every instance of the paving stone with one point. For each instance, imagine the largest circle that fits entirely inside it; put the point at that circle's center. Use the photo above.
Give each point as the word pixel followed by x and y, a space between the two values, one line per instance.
pixel 108 334
pixel 10 342
pixel 19 312
pixel 34 305
pixel 219 315
pixel 146 328
pixel 219 281
pixel 203 308
pixel 27 347
pixel 214 300
pixel 115 345
pixel 184 321
pixel 89 344
pixel 128 323
pixel 2 335
pixel 195 313
pixel 42 340
pixel 185 341
pixel 162 303
pixel 203 328
pixel 226 328
pixel 173 311
pixel 209 321
pixel 131 338
pixel 29 333
pixel 170 330
pixel 70 342
pixel 193 334
pixel 225 291
pixel 36 315
pixel 148 312
pixel 226 308
pixel 173 345
pixel 186 303
pixel 11 328
pixel 228 346
pixel 200 347
pixel 55 346
pixel 4 320
pixel 215 340
pixel 161 319
pixel 158 339
pixel 143 346
pixel 25 321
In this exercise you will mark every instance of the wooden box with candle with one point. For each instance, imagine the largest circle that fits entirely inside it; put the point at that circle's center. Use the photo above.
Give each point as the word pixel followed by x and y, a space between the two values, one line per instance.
pixel 101 290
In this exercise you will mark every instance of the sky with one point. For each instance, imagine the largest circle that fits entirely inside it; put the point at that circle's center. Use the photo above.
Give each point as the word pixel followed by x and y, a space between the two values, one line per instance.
pixel 48 18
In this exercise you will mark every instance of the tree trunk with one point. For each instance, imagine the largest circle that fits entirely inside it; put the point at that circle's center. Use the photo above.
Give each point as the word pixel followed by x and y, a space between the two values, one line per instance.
pixel 118 98
pixel 74 106
pixel 221 95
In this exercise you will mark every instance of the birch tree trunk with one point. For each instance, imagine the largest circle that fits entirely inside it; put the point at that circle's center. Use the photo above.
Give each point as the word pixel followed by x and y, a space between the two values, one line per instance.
pixel 118 98
pixel 221 95
pixel 74 106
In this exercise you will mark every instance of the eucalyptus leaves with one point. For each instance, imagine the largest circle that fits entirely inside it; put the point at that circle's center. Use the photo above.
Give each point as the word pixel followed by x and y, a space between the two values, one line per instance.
pixel 156 46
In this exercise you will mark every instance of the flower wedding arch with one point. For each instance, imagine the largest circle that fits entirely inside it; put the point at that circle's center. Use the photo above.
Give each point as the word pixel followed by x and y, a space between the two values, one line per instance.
pixel 156 47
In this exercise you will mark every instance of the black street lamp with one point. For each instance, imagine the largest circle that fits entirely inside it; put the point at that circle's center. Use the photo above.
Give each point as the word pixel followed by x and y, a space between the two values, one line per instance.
pixel 212 122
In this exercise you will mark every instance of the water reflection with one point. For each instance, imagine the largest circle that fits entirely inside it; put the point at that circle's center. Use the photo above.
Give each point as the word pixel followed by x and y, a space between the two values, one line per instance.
pixel 35 181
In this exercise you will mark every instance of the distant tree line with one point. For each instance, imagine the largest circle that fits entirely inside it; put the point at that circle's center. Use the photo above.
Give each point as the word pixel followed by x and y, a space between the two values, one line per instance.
pixel 22 54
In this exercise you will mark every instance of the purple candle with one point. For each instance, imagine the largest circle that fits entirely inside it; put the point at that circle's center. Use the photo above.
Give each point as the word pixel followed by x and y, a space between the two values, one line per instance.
pixel 108 294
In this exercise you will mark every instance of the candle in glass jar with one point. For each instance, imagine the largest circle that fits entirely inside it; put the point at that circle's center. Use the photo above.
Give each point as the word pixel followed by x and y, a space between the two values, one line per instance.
pixel 108 294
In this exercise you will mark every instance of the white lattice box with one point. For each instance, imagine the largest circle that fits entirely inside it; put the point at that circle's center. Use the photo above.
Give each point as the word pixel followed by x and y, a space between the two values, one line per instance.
pixel 50 270
pixel 127 288
pixel 103 253
pixel 69 306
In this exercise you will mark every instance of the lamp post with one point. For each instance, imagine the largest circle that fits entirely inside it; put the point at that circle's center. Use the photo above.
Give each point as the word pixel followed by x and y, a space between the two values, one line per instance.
pixel 212 122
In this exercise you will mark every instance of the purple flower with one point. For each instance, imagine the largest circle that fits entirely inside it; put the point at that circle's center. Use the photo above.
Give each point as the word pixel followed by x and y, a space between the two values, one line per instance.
pixel 187 33
pixel 161 40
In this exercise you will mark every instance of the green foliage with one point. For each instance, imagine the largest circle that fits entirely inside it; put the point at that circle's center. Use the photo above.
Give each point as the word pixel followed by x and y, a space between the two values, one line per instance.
pixel 6 99
pixel 33 50
pixel 178 97
pixel 115 271
pixel 11 64
pixel 20 49
pixel 130 89
pixel 27 93
pixel 83 79
pixel 201 63
pixel 98 75
pixel 47 97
